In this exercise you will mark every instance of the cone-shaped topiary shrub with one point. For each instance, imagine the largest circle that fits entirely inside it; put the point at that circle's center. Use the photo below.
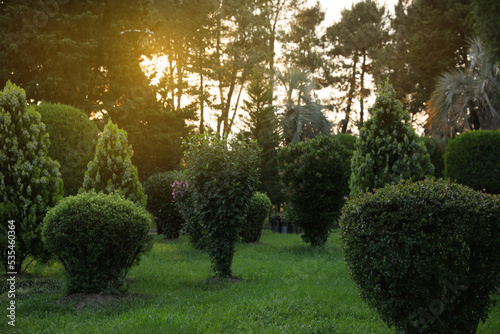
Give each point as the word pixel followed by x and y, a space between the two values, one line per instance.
pixel 161 203
pixel 112 170
pixel 314 175
pixel 73 137
pixel 424 254
pixel 97 237
pixel 258 210
pixel 388 149
pixel 473 159
pixel 30 182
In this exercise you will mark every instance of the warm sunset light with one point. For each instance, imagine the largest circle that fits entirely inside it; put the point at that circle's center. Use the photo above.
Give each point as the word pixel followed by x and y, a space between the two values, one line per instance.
pixel 250 166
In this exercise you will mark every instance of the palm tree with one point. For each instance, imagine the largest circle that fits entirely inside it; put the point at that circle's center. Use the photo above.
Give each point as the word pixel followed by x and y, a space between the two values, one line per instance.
pixel 304 118
pixel 466 99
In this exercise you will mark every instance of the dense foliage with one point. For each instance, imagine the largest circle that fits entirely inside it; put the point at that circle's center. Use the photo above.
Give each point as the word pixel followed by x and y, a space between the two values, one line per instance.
pixel 435 155
pixel 258 210
pixel 97 238
pixel 161 203
pixel 314 175
pixel 73 137
pixel 222 175
pixel 112 169
pixel 473 159
pixel 30 181
pixel 424 254
pixel 388 149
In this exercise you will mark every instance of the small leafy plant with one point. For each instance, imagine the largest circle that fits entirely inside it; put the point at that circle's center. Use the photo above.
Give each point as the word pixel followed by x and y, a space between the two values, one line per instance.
pixel 258 210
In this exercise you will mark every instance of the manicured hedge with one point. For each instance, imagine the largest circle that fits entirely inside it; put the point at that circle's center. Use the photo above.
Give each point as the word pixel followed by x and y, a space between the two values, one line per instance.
pixel 258 210
pixel 314 175
pixel 97 238
pixel 424 254
pixel 161 204
pixel 73 138
pixel 473 159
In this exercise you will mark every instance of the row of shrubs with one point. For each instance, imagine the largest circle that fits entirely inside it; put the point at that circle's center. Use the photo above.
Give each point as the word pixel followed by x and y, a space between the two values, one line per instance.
pixel 405 243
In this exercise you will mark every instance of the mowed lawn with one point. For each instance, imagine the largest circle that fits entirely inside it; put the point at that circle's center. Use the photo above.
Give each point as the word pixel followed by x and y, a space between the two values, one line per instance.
pixel 283 286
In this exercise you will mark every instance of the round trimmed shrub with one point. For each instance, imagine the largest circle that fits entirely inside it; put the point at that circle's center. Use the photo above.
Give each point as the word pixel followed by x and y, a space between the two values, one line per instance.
pixel 314 175
pixel 424 254
pixel 97 237
pixel 161 204
pixel 348 140
pixel 258 210
pixel 473 159
pixel 73 138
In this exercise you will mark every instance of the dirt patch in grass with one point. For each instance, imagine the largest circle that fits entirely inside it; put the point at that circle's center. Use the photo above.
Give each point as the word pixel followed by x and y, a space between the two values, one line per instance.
pixel 216 280
pixel 80 300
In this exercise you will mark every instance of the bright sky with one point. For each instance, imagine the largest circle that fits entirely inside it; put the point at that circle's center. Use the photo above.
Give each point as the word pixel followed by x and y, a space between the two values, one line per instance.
pixel 334 7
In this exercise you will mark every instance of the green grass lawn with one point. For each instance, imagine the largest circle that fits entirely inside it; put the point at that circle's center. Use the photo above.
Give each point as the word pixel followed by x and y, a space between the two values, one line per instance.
pixel 285 286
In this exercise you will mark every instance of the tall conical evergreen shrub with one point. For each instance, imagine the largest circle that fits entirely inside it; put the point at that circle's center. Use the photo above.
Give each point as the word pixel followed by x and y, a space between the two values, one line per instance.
pixel 388 149
pixel 112 170
pixel 30 181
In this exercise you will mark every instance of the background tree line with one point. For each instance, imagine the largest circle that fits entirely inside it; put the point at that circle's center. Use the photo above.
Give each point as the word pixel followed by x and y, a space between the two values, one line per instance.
pixel 222 56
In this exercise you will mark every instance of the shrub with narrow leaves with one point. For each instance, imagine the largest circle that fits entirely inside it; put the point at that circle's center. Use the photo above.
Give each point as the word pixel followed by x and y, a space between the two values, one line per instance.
pixel 388 149
pixel 258 210
pixel 161 203
pixel 424 254
pixel 112 170
pixel 30 181
pixel 97 238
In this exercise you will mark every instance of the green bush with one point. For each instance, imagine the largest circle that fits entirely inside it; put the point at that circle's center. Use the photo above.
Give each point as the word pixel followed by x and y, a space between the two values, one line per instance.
pixel 112 170
pixel 258 210
pixel 97 238
pixel 161 203
pixel 183 199
pixel 424 254
pixel 30 182
pixel 222 176
pixel 388 149
pixel 73 137
pixel 435 154
pixel 473 159
pixel 348 140
pixel 314 175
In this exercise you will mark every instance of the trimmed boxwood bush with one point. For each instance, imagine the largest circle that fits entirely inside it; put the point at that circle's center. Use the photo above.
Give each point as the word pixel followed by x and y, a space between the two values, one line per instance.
pixel 258 210
pixel 158 189
pixel 314 175
pixel 424 254
pixel 473 159
pixel 73 138
pixel 97 238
